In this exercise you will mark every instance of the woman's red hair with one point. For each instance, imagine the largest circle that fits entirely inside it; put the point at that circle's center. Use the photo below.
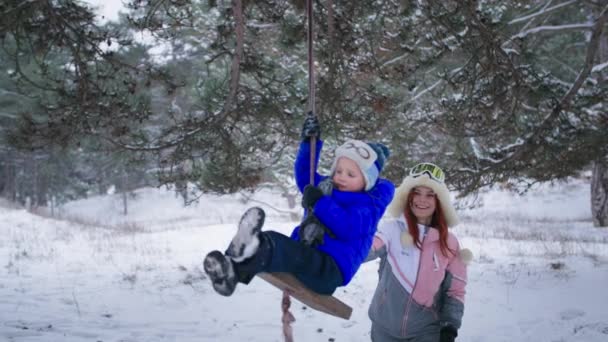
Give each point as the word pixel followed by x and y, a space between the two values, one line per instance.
pixel 437 221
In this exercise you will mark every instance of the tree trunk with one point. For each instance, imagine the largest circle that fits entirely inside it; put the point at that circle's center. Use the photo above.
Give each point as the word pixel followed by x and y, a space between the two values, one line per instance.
pixel 124 181
pixel 3 173
pixel 599 178
pixel 10 188
pixel 35 172
pixel 43 190
pixel 599 193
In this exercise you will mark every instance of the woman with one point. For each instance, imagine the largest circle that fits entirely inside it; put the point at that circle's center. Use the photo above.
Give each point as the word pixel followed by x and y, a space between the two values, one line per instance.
pixel 420 293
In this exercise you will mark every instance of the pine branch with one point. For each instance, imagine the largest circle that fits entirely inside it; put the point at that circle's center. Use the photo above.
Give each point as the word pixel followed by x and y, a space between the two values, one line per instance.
pixel 528 144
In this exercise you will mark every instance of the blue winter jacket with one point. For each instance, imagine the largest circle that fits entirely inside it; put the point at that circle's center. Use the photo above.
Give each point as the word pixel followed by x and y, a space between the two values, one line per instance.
pixel 351 216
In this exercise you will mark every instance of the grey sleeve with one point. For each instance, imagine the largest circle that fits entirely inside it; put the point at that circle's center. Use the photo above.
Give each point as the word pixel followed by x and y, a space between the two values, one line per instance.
pixel 373 255
pixel 451 309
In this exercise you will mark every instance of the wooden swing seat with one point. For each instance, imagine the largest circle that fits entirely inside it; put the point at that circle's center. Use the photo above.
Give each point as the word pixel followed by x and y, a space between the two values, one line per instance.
pixel 327 304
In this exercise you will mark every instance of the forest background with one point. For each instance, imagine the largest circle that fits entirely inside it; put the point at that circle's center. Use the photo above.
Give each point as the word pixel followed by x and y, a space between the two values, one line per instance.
pixel 209 96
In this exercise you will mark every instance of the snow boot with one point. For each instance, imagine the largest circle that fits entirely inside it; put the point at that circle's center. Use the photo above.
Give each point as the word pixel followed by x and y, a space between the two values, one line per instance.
pixel 246 241
pixel 221 271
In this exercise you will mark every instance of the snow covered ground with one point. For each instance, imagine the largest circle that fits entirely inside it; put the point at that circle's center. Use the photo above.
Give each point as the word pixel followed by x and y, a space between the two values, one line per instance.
pixel 539 272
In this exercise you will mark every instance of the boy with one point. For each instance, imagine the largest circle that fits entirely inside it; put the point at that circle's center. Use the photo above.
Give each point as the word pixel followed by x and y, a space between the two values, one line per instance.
pixel 326 250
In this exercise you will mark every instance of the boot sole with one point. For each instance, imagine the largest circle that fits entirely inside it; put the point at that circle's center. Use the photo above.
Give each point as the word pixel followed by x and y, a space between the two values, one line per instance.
pixel 245 243
pixel 215 266
pixel 218 268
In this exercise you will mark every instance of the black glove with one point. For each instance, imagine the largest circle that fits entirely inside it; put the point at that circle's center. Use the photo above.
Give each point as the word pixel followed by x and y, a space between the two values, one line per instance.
pixel 312 231
pixel 311 128
pixel 448 334
pixel 310 196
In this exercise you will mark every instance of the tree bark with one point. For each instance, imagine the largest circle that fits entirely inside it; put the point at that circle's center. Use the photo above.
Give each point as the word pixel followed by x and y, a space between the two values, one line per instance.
pixel 235 71
pixel 124 179
pixel 599 193
pixel 599 178
pixel 10 188
pixel 4 179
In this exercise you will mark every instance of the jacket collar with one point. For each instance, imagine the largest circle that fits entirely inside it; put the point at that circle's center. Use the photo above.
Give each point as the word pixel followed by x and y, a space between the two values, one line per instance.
pixel 432 234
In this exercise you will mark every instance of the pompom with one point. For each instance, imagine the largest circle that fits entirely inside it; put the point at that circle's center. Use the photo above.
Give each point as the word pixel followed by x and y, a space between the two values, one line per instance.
pixel 466 255
pixel 382 152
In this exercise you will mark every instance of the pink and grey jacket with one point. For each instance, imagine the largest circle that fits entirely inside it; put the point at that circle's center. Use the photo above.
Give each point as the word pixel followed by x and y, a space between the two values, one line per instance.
pixel 419 291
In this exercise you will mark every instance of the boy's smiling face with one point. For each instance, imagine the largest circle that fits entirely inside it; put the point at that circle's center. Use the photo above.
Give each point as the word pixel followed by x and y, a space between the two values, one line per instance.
pixel 348 176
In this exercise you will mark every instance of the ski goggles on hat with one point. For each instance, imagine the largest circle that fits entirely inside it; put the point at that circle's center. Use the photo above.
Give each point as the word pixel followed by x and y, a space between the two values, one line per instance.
pixel 434 171
pixel 361 151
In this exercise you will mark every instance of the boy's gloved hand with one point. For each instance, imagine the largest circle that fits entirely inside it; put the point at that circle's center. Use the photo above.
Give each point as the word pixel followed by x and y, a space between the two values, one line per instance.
pixel 448 334
pixel 311 128
pixel 312 231
pixel 310 196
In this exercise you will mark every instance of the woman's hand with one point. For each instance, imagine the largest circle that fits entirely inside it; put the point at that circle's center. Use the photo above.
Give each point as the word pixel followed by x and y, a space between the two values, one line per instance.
pixel 448 334
pixel 377 244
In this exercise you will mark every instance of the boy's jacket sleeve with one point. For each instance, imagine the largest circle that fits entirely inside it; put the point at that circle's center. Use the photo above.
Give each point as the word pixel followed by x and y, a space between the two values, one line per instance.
pixel 302 164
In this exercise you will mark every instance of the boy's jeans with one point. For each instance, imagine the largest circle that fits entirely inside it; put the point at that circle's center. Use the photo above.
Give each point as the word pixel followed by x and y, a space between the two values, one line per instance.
pixel 279 253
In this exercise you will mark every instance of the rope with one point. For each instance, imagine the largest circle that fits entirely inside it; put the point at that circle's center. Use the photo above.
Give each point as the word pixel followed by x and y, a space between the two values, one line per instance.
pixel 311 63
pixel 288 317
pixel 311 85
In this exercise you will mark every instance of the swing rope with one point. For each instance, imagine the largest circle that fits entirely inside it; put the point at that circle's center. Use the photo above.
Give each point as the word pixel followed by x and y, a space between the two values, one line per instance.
pixel 288 317
pixel 311 86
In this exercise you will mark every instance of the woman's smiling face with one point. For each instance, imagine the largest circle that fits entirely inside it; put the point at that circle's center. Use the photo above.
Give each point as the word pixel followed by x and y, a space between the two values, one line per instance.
pixel 423 204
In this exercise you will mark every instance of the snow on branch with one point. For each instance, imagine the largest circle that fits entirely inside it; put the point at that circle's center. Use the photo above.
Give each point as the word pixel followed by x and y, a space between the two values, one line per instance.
pixel 8 116
pixel 542 11
pixel 155 146
pixel 600 67
pixel 4 92
pixel 569 27
pixel 495 155
pixel 417 96
pixel 394 60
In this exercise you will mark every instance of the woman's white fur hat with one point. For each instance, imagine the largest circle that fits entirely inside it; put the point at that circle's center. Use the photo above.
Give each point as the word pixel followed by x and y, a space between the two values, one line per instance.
pixel 399 202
